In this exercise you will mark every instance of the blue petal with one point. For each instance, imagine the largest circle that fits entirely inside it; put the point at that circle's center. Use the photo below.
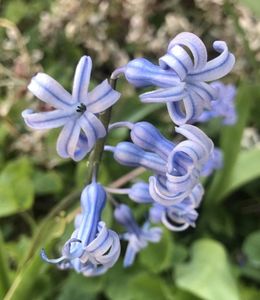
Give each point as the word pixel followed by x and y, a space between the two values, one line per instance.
pixel 146 136
pixel 139 192
pixel 101 98
pixel 92 127
pixel 165 95
pixel 50 91
pixel 81 79
pixel 129 154
pixel 217 67
pixel 47 120
pixel 140 73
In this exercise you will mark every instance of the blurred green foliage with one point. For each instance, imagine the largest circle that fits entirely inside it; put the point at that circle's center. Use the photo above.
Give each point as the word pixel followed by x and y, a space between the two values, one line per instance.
pixel 39 192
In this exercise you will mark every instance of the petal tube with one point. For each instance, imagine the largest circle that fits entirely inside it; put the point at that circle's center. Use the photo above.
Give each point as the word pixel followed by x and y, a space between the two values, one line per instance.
pixel 139 192
pixel 81 80
pixel 68 139
pixel 129 154
pixel 146 136
pixel 92 127
pixel 47 120
pixel 217 67
pixel 140 73
pixel 50 91
pixel 165 95
pixel 101 98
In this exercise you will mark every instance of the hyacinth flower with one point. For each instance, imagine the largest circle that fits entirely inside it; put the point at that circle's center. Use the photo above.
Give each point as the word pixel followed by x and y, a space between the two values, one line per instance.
pixel 76 112
pixel 180 216
pixel 182 75
pixel 215 162
pixel 92 248
pixel 176 168
pixel 224 106
pixel 136 236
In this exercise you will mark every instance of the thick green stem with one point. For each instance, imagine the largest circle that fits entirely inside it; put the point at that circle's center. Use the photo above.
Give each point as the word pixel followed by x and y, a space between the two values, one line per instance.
pixel 4 278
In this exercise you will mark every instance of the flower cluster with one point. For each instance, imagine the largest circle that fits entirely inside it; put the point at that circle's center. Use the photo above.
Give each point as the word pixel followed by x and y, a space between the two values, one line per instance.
pixel 173 192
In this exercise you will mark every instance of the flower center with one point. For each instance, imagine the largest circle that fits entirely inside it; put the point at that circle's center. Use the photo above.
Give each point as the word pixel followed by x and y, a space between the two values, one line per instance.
pixel 81 108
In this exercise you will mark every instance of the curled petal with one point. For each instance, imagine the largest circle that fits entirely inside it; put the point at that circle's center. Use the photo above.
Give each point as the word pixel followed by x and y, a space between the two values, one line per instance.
pixel 81 80
pixel 47 120
pixel 146 136
pixel 172 227
pixel 194 44
pixel 170 94
pixel 217 67
pixel 102 97
pixel 161 195
pixel 206 92
pixel 140 73
pixel 196 135
pixel 50 91
pixel 179 60
pixel 92 127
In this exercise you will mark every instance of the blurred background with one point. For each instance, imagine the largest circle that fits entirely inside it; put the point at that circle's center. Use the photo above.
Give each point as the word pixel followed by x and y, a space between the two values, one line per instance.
pixel 39 192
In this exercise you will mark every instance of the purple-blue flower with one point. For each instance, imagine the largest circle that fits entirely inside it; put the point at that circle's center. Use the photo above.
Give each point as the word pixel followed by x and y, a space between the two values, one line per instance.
pixel 92 248
pixel 182 76
pixel 77 113
pixel 176 167
pixel 223 106
pixel 136 236
pixel 215 162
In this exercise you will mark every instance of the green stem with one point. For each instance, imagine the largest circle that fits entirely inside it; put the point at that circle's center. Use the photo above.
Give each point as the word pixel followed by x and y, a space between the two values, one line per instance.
pixel 96 155
pixel 4 278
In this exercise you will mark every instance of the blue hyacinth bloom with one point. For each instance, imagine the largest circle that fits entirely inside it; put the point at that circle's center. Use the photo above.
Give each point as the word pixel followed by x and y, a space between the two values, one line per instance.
pixel 136 236
pixel 92 248
pixel 176 167
pixel 182 76
pixel 224 106
pixel 77 113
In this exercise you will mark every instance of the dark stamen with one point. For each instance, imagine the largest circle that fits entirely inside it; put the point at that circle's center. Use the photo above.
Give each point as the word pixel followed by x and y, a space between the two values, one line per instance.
pixel 81 108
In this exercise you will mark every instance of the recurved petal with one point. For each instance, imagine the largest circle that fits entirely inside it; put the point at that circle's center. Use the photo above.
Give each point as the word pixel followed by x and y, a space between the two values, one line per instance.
pixel 217 67
pixel 81 79
pixel 165 95
pixel 101 98
pixel 194 44
pixel 50 91
pixel 47 120
pixel 92 127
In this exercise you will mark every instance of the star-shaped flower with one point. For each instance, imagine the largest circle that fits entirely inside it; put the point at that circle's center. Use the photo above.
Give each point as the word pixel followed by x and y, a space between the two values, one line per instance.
pixel 76 112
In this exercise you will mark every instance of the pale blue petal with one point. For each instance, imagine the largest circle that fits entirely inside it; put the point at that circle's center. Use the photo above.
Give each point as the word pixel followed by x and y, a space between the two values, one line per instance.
pixel 139 192
pixel 47 120
pixel 92 127
pixel 68 139
pixel 101 98
pixel 50 91
pixel 81 80
pixel 217 67
pixel 165 95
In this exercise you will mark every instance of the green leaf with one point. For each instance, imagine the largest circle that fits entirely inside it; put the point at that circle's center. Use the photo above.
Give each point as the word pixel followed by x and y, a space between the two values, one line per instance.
pixel 16 187
pixel 251 248
pixel 16 10
pixel 208 274
pixel 247 168
pixel 158 257
pixel 47 183
pixel 77 287
pixel 230 141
